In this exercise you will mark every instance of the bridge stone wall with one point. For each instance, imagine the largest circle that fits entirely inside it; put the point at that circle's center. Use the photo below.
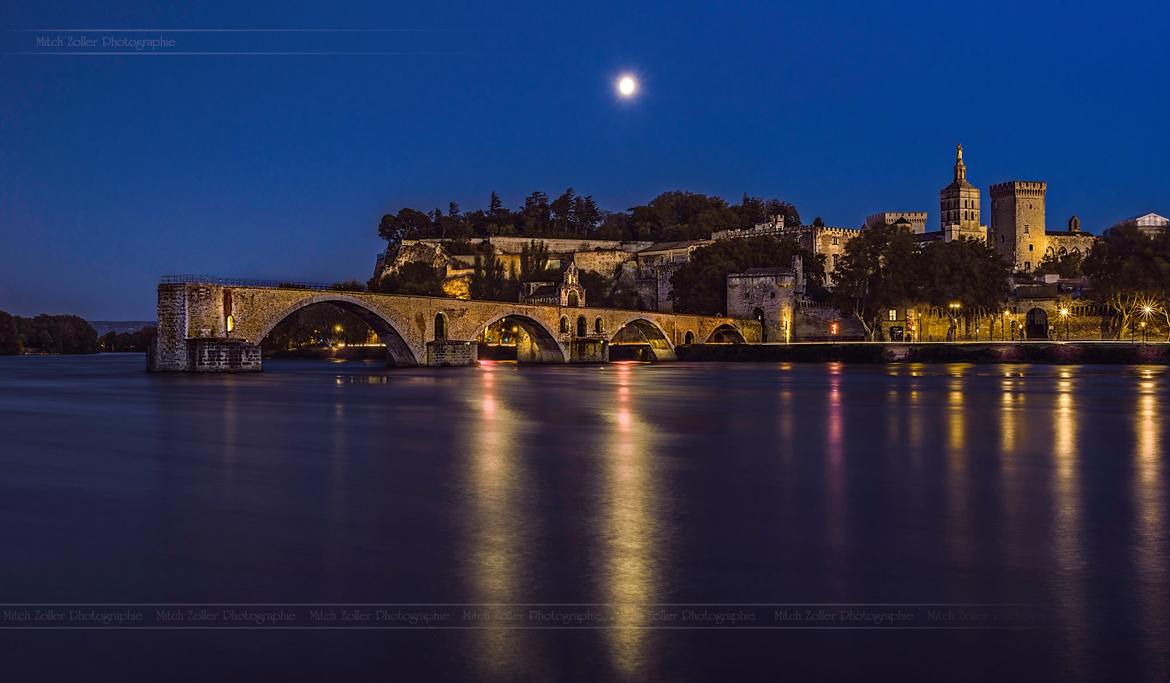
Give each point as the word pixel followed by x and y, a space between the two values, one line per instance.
pixel 245 315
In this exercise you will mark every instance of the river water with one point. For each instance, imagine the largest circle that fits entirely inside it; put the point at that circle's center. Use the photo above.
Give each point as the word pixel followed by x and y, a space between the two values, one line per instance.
pixel 581 523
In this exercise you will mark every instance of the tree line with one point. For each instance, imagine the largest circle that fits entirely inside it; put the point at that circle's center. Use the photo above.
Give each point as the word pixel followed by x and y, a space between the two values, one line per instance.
pixel 884 268
pixel 1130 272
pixel 670 216
pixel 137 341
pixel 46 334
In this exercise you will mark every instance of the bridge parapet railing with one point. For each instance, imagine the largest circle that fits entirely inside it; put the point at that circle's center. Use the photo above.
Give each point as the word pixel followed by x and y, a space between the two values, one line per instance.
pixel 240 282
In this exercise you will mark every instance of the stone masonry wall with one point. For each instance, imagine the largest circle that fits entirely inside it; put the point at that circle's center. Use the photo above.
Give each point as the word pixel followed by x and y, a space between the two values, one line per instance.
pixel 405 323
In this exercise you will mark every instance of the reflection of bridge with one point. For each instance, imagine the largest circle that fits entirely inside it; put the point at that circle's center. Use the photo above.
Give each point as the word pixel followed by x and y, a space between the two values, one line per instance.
pixel 213 325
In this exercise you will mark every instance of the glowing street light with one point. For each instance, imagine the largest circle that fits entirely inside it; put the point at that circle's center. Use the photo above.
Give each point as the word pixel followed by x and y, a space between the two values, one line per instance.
pixel 1064 314
pixel 954 306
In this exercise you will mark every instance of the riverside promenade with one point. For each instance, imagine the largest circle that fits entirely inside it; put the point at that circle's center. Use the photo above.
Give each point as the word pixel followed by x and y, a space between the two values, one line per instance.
pixel 934 352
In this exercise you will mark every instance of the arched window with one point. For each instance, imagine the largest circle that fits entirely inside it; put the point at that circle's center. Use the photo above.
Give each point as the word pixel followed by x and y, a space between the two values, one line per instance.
pixel 440 326
pixel 574 302
pixel 598 326
pixel 230 323
pixel 582 326
pixel 564 324
pixel 689 338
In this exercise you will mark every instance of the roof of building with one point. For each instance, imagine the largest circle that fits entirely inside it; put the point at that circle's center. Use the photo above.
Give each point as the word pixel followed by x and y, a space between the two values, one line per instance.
pixel 1146 219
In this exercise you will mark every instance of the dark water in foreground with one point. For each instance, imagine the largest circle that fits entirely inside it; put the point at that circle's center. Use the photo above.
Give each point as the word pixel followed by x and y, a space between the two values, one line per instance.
pixel 622 486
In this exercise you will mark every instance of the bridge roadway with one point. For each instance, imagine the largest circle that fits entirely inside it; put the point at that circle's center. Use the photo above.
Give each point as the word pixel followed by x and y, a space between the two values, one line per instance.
pixel 215 325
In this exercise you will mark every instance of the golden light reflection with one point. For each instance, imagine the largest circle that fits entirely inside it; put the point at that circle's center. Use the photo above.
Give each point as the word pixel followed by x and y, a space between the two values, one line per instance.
pixel 631 545
pixel 915 426
pixel 835 473
pixel 1150 490
pixel 958 484
pixel 1066 499
pixel 495 529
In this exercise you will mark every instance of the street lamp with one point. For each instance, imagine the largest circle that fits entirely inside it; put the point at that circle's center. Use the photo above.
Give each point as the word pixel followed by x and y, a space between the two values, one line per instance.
pixel 1007 314
pixel 954 307
pixel 1064 313
pixel 1143 324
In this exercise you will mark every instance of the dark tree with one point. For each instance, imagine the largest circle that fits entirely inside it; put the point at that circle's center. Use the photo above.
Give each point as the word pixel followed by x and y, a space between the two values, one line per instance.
pixel 10 344
pixel 1130 272
pixel 877 273
pixel 128 342
pixel 407 224
pixel 563 212
pixel 535 215
pixel 487 276
pixel 1065 265
pixel 700 286
pixel 57 334
pixel 534 266
pixel 965 271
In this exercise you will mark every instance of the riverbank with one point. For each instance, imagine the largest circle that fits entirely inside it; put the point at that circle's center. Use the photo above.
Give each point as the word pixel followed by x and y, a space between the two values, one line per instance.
pixel 932 352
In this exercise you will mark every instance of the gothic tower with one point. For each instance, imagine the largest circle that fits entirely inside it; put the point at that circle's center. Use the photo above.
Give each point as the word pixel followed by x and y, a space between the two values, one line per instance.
pixel 959 205
pixel 1017 222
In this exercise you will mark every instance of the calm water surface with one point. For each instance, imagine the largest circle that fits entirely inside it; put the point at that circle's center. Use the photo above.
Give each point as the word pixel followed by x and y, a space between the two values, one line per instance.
pixel 627 485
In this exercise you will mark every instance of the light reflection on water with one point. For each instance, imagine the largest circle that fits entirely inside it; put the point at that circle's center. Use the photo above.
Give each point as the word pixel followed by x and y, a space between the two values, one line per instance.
pixel 628 485
pixel 1150 519
pixel 630 515
pixel 495 487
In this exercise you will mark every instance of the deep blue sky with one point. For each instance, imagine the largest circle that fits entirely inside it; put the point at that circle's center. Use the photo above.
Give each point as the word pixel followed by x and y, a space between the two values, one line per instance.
pixel 117 169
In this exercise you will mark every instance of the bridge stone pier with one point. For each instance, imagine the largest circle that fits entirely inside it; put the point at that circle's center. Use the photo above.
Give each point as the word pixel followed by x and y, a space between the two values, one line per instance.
pixel 215 325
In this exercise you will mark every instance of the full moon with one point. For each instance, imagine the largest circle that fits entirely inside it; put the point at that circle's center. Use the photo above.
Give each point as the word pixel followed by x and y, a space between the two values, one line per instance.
pixel 627 86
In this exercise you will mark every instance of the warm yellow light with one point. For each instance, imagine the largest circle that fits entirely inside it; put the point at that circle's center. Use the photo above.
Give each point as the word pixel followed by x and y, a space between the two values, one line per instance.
pixel 338 328
pixel 1147 309
pixel 1064 312
pixel 627 86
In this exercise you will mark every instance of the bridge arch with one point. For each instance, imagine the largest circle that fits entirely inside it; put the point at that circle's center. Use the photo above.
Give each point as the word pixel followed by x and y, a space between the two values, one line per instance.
pixel 726 334
pixel 546 347
pixel 398 352
pixel 644 331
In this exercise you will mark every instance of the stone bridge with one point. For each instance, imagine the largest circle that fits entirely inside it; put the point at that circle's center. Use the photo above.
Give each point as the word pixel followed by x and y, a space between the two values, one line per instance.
pixel 213 325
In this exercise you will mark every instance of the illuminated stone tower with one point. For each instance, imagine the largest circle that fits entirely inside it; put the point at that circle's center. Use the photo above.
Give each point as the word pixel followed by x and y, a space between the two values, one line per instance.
pixel 1017 222
pixel 959 205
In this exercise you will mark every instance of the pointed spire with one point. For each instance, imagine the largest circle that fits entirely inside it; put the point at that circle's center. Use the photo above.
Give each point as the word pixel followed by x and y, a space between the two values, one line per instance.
pixel 960 167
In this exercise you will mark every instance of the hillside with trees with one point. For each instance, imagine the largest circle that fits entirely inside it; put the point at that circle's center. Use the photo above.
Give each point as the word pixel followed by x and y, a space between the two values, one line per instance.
pixel 670 216
pixel 46 334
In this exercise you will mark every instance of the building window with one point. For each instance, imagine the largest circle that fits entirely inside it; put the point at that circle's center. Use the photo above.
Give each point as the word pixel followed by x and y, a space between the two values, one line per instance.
pixel 1025 229
pixel 573 301
pixel 893 315
pixel 598 326
pixel 564 325
pixel 1027 266
pixel 836 241
pixel 440 326
pixel 582 326
pixel 231 324
pixel 1030 247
